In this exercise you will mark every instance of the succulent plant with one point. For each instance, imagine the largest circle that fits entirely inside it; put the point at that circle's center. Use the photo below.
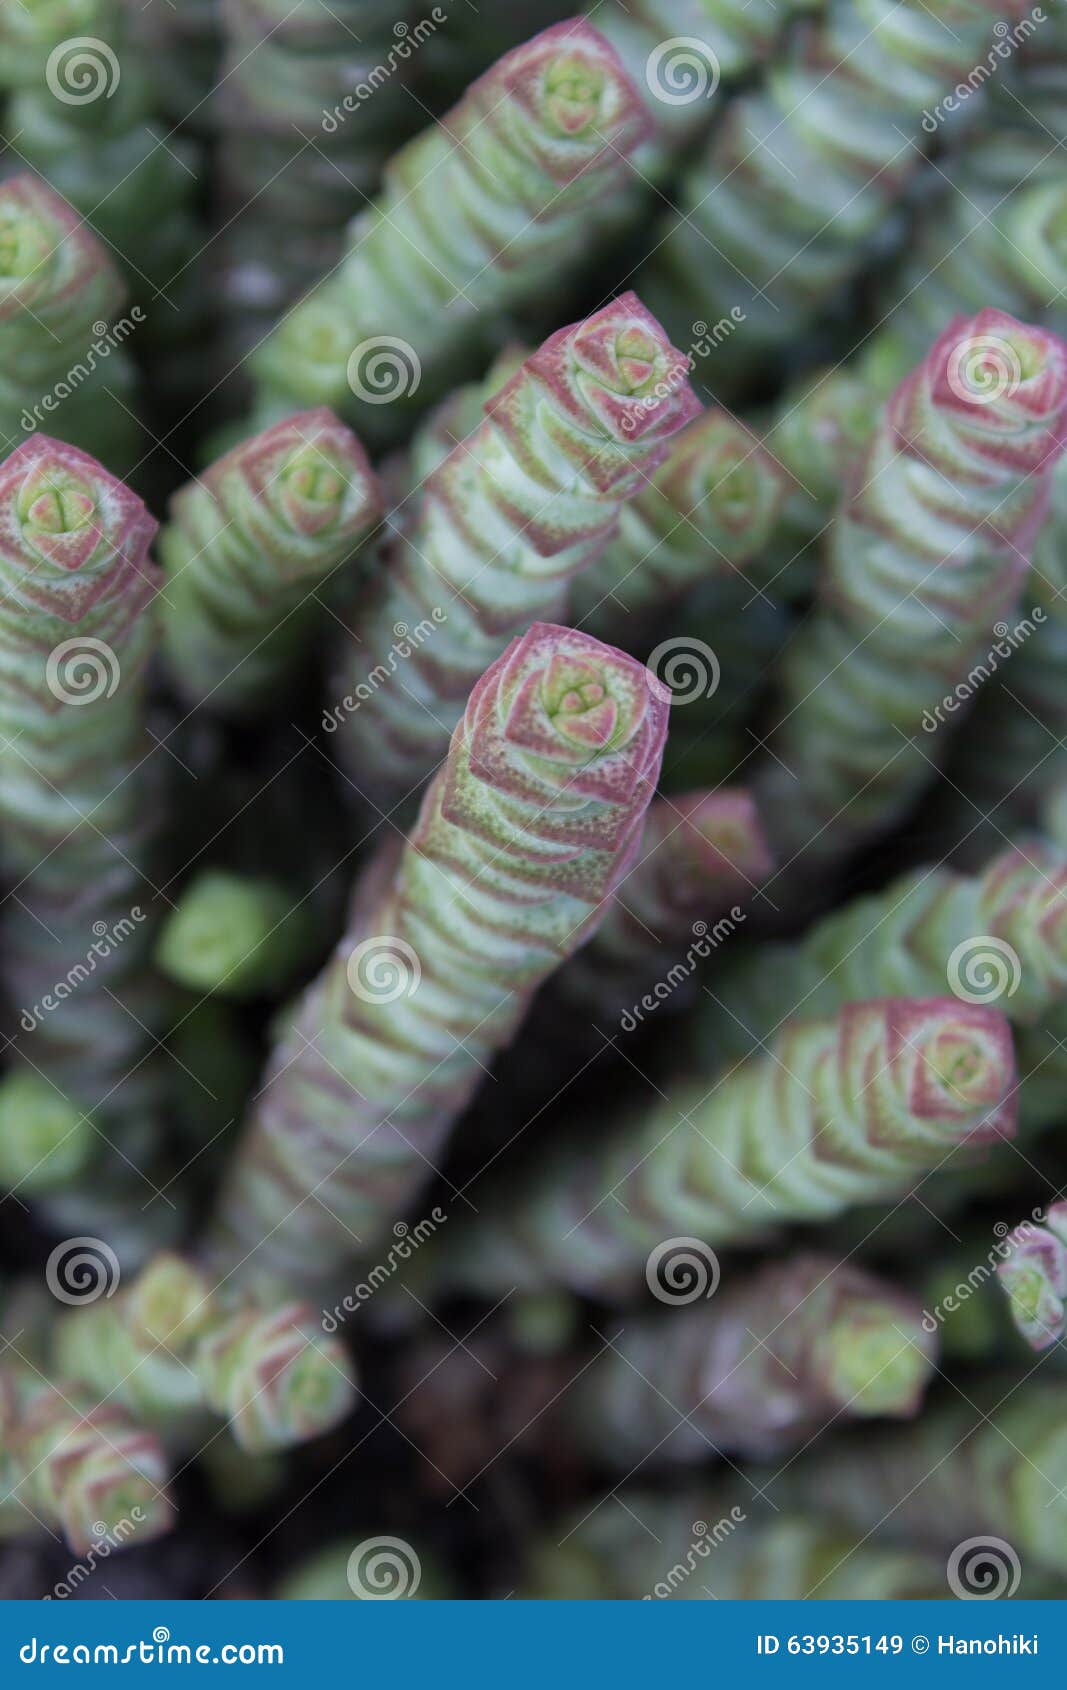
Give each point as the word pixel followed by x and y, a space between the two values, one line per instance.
pixel 926 556
pixel 996 936
pixel 79 794
pixel 520 841
pixel 702 855
pixel 44 1140
pixel 786 202
pixel 420 1075
pixel 247 546
pixel 848 1109
pixel 59 292
pixel 1034 1277
pixel 498 529
pixel 709 510
pixel 759 1370
pixel 170 1347
pixel 475 214
pixel 89 1472
pixel 956 1480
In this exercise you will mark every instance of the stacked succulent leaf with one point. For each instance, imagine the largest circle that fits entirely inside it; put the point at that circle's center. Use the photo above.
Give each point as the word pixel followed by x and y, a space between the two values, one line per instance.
pixel 488 542
pixel 475 215
pixel 64 364
pixel 532 902
pixel 798 182
pixel 521 838
pixel 79 791
pixel 83 110
pixel 924 562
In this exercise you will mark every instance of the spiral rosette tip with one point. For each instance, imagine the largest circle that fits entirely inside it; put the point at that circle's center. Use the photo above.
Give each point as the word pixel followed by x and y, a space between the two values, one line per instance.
pixel 966 1070
pixel 276 1377
pixel 573 87
pixel 61 514
pixel 620 365
pixel 876 1357
pixel 951 1065
pixel 44 1139
pixel 50 261
pixel 1034 1277
pixel 561 715
pixel 97 1468
pixel 169 1302
pixel 723 830
pixel 309 469
pixel 1004 376
pixel 317 1392
pixel 744 486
